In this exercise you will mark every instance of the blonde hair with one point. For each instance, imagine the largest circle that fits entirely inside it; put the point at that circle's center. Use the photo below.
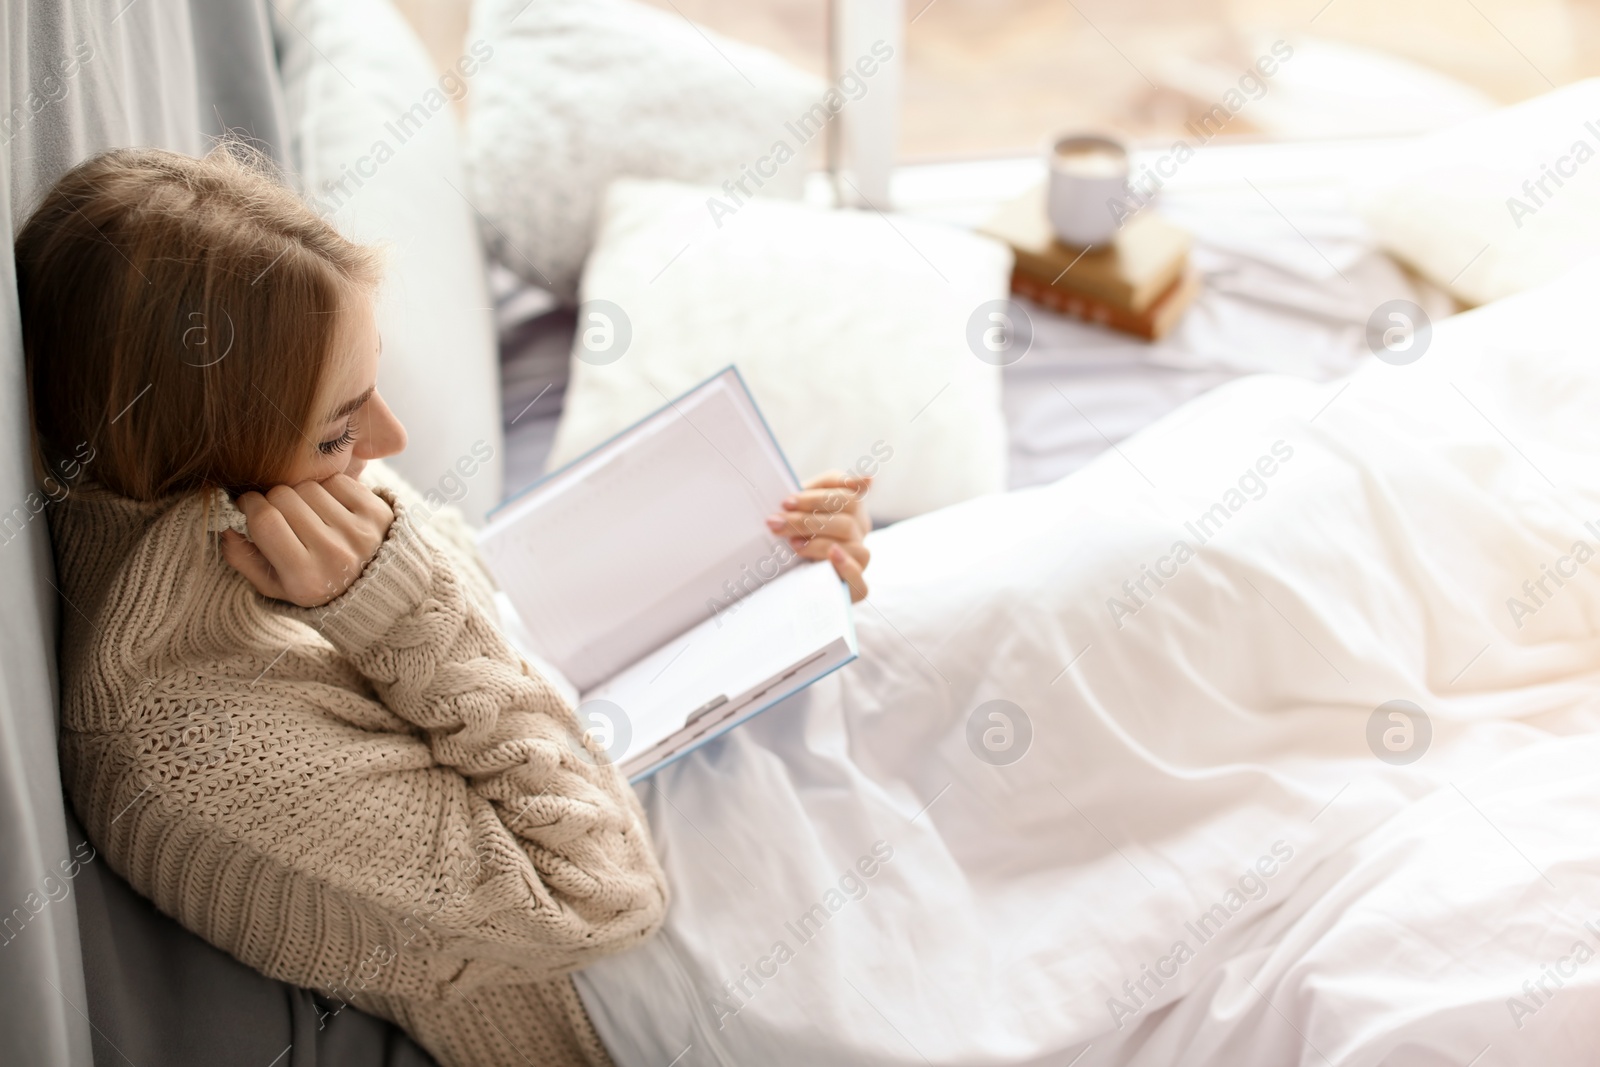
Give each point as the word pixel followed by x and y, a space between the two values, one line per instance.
pixel 178 315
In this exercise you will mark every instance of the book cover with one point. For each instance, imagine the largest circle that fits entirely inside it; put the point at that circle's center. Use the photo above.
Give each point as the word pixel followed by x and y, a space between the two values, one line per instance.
pixel 1152 324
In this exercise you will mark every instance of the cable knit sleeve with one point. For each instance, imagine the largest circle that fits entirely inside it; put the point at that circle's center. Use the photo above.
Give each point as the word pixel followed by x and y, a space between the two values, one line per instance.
pixel 568 836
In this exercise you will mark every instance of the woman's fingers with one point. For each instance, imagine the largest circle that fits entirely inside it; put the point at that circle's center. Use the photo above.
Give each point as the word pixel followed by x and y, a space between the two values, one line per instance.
pixel 307 525
pixel 313 539
pixel 361 501
pixel 360 516
pixel 302 549
pixel 805 525
pixel 850 571
pixel 830 506
pixel 243 556
pixel 334 513
pixel 827 520
pixel 839 479
pixel 272 534
pixel 822 548
pixel 829 498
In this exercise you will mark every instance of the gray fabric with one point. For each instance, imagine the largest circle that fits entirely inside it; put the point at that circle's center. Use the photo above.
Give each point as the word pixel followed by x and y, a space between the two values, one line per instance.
pixel 237 72
pixel 166 73
pixel 41 982
pixel 206 1007
pixel 81 76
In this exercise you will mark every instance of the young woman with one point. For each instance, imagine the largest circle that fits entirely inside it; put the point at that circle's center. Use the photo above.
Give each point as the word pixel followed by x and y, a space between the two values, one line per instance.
pixel 288 715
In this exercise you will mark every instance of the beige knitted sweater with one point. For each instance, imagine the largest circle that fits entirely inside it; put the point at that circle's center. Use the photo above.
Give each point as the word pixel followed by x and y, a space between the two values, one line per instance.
pixel 376 799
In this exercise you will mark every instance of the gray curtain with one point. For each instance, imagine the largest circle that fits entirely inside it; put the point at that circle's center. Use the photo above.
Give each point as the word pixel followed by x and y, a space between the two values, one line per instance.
pixel 80 76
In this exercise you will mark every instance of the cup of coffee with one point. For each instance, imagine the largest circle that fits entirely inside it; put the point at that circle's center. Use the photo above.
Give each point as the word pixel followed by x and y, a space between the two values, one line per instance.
pixel 1087 173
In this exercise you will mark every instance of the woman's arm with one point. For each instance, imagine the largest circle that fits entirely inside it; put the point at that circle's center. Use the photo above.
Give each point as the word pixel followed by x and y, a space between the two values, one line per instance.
pixel 436 661
pixel 544 842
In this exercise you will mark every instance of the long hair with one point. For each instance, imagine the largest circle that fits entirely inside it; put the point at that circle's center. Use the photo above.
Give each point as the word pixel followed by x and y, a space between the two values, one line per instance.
pixel 178 316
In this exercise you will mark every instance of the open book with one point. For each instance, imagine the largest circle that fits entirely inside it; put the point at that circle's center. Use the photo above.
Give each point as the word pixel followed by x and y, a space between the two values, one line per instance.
pixel 644 571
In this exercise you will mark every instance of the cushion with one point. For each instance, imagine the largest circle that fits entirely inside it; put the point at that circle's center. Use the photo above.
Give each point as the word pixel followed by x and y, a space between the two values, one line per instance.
pixel 378 149
pixel 850 328
pixel 1500 203
pixel 584 91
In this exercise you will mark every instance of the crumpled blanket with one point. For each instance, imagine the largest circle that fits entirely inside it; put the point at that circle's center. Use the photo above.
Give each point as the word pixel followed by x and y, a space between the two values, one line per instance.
pixel 1266 738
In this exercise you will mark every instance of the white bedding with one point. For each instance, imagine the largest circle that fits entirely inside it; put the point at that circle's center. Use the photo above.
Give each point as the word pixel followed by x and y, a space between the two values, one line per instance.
pixel 1220 729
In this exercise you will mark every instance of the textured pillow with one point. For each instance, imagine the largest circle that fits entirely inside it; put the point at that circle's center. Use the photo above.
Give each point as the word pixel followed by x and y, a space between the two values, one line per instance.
pixel 849 327
pixel 1500 203
pixel 584 91
pixel 378 149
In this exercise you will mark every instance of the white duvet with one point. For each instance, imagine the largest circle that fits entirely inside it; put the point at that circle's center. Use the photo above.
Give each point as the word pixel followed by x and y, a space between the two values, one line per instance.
pixel 1198 858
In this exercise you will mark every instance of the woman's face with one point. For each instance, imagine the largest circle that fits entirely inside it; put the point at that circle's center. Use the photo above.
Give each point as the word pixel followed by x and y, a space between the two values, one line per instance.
pixel 354 424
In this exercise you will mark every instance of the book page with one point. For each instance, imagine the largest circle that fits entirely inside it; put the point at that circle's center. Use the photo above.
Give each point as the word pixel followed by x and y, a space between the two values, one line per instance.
pixel 646 536
pixel 728 659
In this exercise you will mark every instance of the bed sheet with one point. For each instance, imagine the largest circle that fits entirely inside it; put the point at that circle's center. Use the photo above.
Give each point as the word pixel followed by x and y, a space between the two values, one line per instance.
pixel 1194 835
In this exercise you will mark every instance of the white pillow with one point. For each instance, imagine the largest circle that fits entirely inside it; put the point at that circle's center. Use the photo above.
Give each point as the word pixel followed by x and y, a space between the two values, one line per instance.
pixel 849 327
pixel 379 152
pixel 584 91
pixel 1455 206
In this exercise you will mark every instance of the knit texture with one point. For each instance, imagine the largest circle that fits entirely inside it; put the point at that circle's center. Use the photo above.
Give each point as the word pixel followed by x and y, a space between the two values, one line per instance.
pixel 376 799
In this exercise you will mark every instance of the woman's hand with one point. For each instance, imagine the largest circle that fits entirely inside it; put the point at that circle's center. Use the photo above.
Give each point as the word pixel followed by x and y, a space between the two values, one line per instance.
pixel 309 542
pixel 827 520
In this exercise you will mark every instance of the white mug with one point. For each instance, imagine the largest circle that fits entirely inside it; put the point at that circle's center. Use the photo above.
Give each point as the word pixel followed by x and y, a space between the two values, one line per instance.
pixel 1087 173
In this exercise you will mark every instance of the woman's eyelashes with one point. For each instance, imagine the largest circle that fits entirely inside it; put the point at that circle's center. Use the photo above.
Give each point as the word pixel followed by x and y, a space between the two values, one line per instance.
pixel 340 443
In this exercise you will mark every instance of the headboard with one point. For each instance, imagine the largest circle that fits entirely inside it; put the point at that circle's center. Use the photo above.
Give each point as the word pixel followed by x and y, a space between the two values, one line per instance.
pixel 80 76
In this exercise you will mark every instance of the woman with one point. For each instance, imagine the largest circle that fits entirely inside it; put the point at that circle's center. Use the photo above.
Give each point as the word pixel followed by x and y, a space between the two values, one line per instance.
pixel 310 744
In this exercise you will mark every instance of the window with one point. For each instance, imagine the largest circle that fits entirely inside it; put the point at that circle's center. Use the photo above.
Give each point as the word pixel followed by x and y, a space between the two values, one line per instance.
pixel 997 77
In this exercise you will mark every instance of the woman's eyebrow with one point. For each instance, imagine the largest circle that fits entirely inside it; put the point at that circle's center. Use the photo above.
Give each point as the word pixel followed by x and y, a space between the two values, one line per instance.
pixel 353 404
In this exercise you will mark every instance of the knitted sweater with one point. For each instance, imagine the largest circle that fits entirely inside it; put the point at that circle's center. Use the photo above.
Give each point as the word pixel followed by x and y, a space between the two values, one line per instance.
pixel 376 799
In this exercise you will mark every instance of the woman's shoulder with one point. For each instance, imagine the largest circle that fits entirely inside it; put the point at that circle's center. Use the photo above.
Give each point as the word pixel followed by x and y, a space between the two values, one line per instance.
pixel 127 558
pixel 147 596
